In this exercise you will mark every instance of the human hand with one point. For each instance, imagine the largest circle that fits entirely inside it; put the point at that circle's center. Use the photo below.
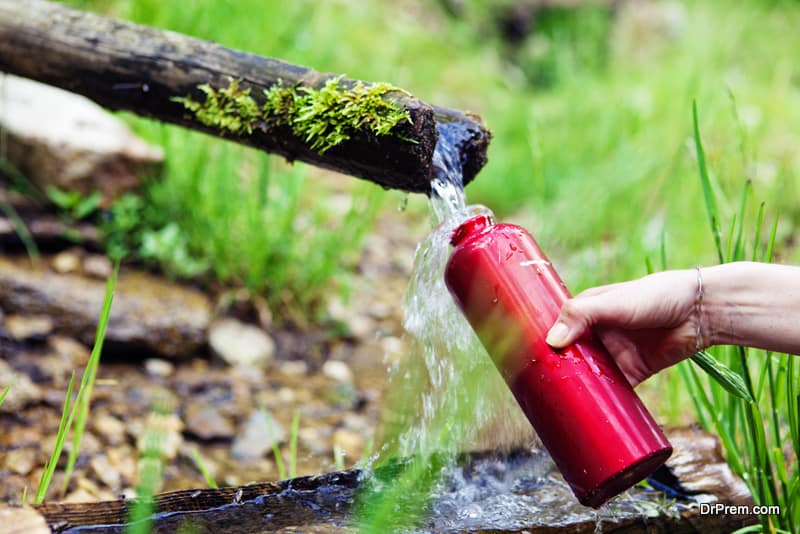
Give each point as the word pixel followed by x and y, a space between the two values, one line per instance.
pixel 646 324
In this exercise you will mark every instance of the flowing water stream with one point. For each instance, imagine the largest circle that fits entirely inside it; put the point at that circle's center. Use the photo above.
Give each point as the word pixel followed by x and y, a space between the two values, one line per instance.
pixel 448 398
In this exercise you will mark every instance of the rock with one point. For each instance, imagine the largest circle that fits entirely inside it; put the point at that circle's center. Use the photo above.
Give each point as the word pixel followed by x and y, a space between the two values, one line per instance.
pixel 148 312
pixel 71 350
pixel 257 436
pixel 238 343
pixel 351 443
pixel 20 461
pixel 80 495
pixel 166 428
pixel 22 391
pixel 111 429
pixel 314 440
pixel 123 458
pixel 205 422
pixel 56 138
pixel 698 462
pixel 22 521
pixel 105 472
pixel 156 367
pixel 338 371
pixel 66 262
pixel 97 266
pixel 22 327
pixel 294 367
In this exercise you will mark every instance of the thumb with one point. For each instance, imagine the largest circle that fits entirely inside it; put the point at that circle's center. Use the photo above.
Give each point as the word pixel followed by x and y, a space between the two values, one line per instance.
pixel 576 317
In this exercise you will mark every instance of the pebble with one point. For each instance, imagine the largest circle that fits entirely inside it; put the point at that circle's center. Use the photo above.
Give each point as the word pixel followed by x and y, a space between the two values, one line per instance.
pixel 106 472
pixel 351 443
pixel 22 327
pixel 238 343
pixel 256 437
pixel 109 427
pixel 123 458
pixel 313 440
pixel 74 351
pixel 20 461
pixel 22 390
pixel 66 262
pixel 156 367
pixel 97 266
pixel 338 371
pixel 167 426
pixel 206 422
pixel 294 368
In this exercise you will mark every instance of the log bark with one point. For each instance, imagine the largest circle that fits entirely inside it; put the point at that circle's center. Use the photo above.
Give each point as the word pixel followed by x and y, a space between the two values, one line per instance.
pixel 124 66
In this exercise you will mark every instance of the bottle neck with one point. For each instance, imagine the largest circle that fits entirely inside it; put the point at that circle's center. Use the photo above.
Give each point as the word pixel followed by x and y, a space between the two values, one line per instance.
pixel 474 225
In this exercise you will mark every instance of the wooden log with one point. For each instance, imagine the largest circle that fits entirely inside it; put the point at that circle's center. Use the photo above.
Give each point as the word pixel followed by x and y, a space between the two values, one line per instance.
pixel 124 66
pixel 326 500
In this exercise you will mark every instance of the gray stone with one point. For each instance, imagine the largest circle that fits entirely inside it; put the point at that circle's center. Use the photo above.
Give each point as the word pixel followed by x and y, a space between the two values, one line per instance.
pixel 257 436
pixel 148 312
pixel 238 343
pixel 206 422
pixel 22 391
pixel 60 139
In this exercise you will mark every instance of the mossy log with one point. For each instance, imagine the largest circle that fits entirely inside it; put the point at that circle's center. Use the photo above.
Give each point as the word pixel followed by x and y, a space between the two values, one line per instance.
pixel 124 66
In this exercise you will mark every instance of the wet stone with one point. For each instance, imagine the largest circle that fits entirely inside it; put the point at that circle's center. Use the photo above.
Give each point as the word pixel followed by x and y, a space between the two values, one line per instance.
pixel 207 423
pixel 351 443
pixel 257 436
pixel 238 343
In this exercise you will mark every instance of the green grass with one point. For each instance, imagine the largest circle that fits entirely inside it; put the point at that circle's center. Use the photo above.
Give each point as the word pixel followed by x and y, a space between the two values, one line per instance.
pixel 77 411
pixel 760 432
pixel 4 394
pixel 201 465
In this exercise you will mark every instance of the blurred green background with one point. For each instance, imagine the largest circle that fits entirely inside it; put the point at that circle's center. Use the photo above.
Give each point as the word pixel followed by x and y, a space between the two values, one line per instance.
pixel 590 109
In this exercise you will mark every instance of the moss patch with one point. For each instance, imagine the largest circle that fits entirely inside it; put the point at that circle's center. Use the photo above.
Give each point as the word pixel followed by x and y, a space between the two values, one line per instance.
pixel 323 117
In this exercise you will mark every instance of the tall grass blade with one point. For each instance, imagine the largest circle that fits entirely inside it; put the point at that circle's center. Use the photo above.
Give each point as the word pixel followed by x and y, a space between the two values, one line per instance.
pixel 89 376
pixel 293 444
pixel 63 427
pixel 201 465
pixel 276 449
pixel 705 181
pixel 4 394
pixel 723 375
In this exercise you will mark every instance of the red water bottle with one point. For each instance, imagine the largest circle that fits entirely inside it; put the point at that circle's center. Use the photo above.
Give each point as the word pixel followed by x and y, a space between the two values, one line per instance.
pixel 587 415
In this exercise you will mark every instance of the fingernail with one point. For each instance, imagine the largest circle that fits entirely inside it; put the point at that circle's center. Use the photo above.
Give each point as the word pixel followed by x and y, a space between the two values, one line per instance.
pixel 557 336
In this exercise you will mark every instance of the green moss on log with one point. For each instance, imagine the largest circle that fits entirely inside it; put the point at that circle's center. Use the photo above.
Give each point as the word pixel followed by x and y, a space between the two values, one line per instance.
pixel 323 118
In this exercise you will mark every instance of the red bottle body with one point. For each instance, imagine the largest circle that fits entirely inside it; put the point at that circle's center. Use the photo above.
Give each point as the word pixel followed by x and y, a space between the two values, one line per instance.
pixel 587 415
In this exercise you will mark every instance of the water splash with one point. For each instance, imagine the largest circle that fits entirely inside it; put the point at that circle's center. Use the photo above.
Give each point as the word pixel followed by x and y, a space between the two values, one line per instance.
pixel 447 397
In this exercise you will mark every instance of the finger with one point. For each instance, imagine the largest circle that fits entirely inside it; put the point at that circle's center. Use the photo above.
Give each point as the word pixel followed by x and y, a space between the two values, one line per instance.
pixel 580 313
